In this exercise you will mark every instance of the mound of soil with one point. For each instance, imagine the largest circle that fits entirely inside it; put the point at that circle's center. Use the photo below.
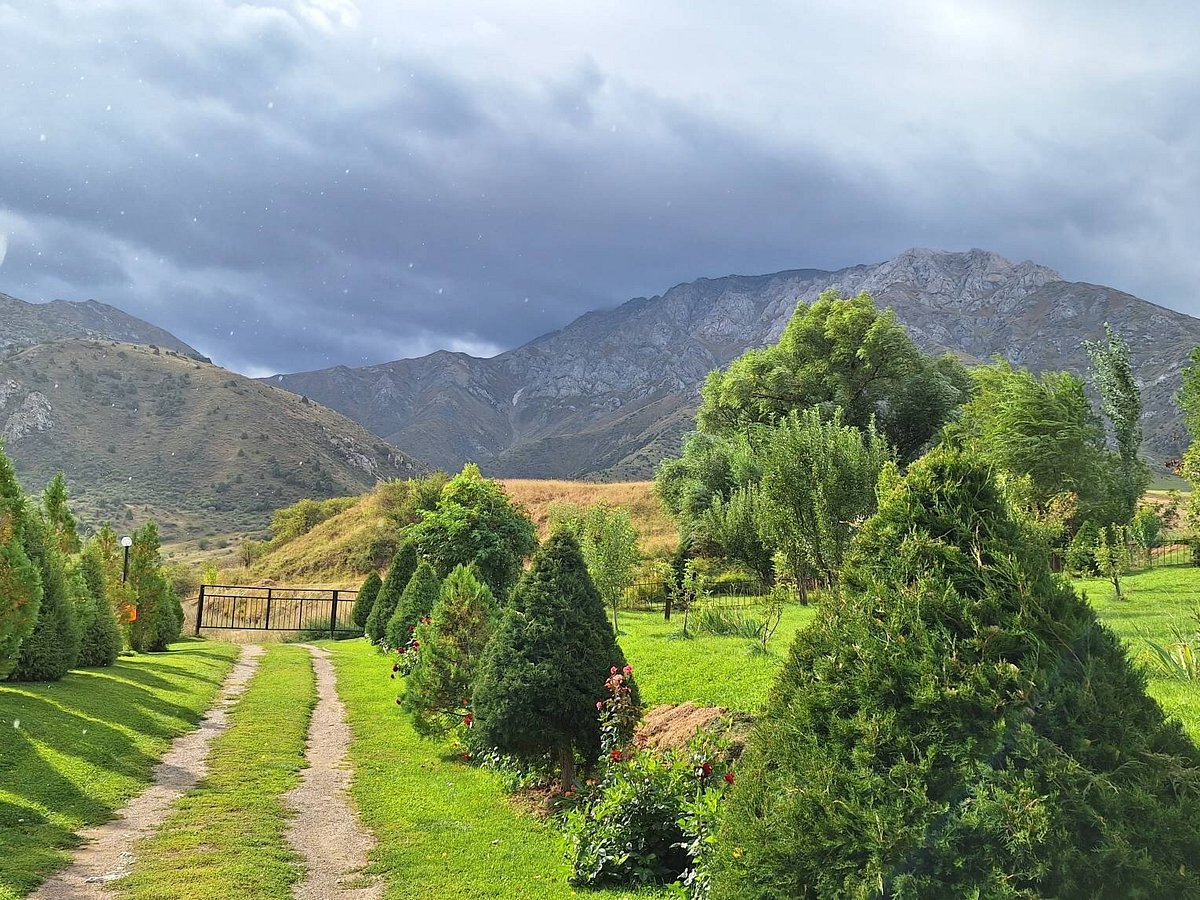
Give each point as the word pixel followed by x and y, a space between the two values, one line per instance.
pixel 670 727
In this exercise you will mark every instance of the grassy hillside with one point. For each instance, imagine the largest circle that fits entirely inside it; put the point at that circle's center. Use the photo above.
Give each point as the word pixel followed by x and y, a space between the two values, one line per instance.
pixel 143 433
pixel 340 550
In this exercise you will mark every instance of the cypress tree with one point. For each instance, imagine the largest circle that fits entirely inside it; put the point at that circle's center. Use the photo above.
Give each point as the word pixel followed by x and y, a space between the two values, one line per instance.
pixel 52 648
pixel 415 603
pixel 365 600
pixel 101 635
pixel 393 586
pixel 20 581
pixel 144 582
pixel 545 668
pixel 452 646
pixel 168 621
pixel 959 724
pixel 55 502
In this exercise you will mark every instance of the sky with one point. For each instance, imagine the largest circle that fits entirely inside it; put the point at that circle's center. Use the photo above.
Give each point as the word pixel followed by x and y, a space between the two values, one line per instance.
pixel 294 185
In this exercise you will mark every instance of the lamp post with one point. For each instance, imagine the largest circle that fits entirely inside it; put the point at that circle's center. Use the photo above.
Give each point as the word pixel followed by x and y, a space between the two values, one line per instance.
pixel 126 542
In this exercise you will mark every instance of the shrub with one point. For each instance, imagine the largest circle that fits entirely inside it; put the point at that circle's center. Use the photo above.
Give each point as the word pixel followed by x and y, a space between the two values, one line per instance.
pixel 365 599
pixel 102 639
pixel 415 604
pixel 168 623
pixel 1081 554
pixel 725 622
pixel 451 646
pixel 543 672
pixel 393 586
pixel 959 724
pixel 20 581
pixel 52 648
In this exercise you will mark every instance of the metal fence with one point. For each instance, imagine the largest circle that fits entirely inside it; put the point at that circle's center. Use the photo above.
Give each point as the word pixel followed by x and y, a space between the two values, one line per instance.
pixel 294 609
pixel 655 596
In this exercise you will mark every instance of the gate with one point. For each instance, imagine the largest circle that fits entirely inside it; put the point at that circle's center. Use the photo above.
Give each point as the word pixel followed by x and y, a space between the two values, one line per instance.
pixel 295 609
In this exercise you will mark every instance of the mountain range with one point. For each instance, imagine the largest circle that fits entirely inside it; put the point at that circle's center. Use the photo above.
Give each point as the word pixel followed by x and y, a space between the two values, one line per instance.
pixel 611 394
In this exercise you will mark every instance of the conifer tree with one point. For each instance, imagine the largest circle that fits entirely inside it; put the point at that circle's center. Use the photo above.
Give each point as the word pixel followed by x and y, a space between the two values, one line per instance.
pixel 545 667
pixel 55 502
pixel 398 576
pixel 452 646
pixel 20 581
pixel 52 649
pixel 959 724
pixel 414 604
pixel 365 600
pixel 159 616
pixel 102 639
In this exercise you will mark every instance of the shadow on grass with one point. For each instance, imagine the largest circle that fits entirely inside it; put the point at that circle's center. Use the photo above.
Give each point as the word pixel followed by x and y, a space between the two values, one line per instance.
pixel 33 844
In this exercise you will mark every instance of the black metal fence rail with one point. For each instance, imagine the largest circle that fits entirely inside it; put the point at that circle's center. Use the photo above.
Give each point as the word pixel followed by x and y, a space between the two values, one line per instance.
pixel 250 608
pixel 652 596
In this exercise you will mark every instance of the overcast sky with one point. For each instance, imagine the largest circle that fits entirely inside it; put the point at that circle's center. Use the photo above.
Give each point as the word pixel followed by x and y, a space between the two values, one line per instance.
pixel 294 185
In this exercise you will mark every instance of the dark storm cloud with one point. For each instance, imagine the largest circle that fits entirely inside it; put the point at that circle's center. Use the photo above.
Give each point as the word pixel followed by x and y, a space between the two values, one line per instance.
pixel 294 185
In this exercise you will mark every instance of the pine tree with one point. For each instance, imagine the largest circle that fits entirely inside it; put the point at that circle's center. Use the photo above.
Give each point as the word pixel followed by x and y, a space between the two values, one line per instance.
pixel 20 581
pixel 545 668
pixel 365 600
pixel 415 603
pixel 102 639
pixel 452 646
pixel 152 592
pixel 393 586
pixel 959 724
pixel 55 501
pixel 52 649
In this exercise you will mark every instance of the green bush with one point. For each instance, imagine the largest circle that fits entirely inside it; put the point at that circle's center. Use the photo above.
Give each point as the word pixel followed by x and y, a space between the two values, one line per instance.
pixel 102 640
pixel 1081 553
pixel 393 586
pixel 960 724
pixel 52 648
pixel 725 622
pixel 20 581
pixel 168 623
pixel 415 604
pixel 364 600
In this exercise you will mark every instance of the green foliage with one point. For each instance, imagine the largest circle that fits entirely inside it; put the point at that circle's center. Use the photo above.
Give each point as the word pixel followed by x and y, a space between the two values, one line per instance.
pixel 303 516
pixel 52 648
pixel 475 523
pixel 959 725
pixel 58 515
pixel 1043 426
pixel 818 485
pixel 102 641
pixel 20 580
pixel 393 586
pixel 439 687
pixel 1081 554
pixel 732 527
pixel 1112 560
pixel 1146 529
pixel 839 353
pixel 1112 373
pixel 609 543
pixel 364 601
pixel 545 668
pixel 414 604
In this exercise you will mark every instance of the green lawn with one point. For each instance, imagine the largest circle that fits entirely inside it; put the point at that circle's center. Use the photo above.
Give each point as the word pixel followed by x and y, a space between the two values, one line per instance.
pixel 444 829
pixel 226 836
pixel 708 670
pixel 72 752
pixel 1153 600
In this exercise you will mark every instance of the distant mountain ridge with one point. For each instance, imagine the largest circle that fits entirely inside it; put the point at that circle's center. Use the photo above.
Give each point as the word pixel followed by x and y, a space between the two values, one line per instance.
pixel 610 395
pixel 26 324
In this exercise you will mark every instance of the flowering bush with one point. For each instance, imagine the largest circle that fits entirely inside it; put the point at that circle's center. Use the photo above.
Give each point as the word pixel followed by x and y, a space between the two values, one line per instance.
pixel 619 712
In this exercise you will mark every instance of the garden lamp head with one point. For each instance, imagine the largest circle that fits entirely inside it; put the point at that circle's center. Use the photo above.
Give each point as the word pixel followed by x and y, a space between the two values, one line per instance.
pixel 127 541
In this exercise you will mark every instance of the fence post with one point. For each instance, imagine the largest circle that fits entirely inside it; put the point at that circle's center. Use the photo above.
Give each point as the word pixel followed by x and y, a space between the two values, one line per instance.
pixel 199 610
pixel 333 616
pixel 267 623
pixel 667 606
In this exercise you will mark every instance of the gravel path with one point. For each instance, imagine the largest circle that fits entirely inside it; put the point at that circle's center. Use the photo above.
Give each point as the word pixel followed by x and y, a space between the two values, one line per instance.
pixel 325 830
pixel 107 853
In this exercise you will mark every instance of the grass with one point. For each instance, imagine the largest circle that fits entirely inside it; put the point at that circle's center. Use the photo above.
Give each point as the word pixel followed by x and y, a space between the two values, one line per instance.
pixel 1155 599
pixel 707 669
pixel 74 751
pixel 226 836
pixel 444 829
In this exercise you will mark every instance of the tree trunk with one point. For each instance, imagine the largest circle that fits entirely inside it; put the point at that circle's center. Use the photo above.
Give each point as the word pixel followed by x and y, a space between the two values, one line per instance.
pixel 567 758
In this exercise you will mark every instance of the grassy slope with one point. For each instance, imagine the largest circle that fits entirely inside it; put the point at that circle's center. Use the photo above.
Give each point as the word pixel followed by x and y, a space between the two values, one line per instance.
pixel 182 433
pixel 444 829
pixel 226 836
pixel 74 751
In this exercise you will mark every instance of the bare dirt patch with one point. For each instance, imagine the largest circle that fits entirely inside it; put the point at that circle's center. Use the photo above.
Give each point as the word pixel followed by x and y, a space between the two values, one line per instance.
pixel 107 852
pixel 325 829
pixel 670 727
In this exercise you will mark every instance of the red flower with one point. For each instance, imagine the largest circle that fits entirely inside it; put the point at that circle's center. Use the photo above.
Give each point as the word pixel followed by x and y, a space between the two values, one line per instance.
pixel 599 704
pixel 612 671
pixel 468 719
pixel 396 667
pixel 464 701
pixel 615 755
pixel 628 670
pixel 416 645
pixel 729 778
pixel 400 650
pixel 705 770
pixel 467 757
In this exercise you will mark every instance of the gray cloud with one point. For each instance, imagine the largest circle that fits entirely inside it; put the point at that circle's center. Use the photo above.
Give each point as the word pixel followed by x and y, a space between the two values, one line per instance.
pixel 299 184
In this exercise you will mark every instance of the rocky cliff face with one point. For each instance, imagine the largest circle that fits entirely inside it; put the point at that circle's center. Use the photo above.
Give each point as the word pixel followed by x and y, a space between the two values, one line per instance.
pixel 26 324
pixel 610 394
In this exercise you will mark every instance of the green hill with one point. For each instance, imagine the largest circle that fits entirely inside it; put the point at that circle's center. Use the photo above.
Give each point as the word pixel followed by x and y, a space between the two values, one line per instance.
pixel 146 432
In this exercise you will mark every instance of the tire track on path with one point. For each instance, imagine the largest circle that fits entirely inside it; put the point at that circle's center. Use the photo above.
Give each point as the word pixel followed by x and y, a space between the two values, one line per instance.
pixel 325 829
pixel 107 853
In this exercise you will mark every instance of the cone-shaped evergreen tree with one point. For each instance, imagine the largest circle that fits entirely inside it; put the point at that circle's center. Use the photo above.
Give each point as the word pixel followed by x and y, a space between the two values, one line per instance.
pixel 168 621
pixel 415 603
pixel 20 581
pixel 393 586
pixel 452 646
pixel 101 634
pixel 960 724
pixel 52 649
pixel 55 502
pixel 365 600
pixel 545 668
pixel 145 583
